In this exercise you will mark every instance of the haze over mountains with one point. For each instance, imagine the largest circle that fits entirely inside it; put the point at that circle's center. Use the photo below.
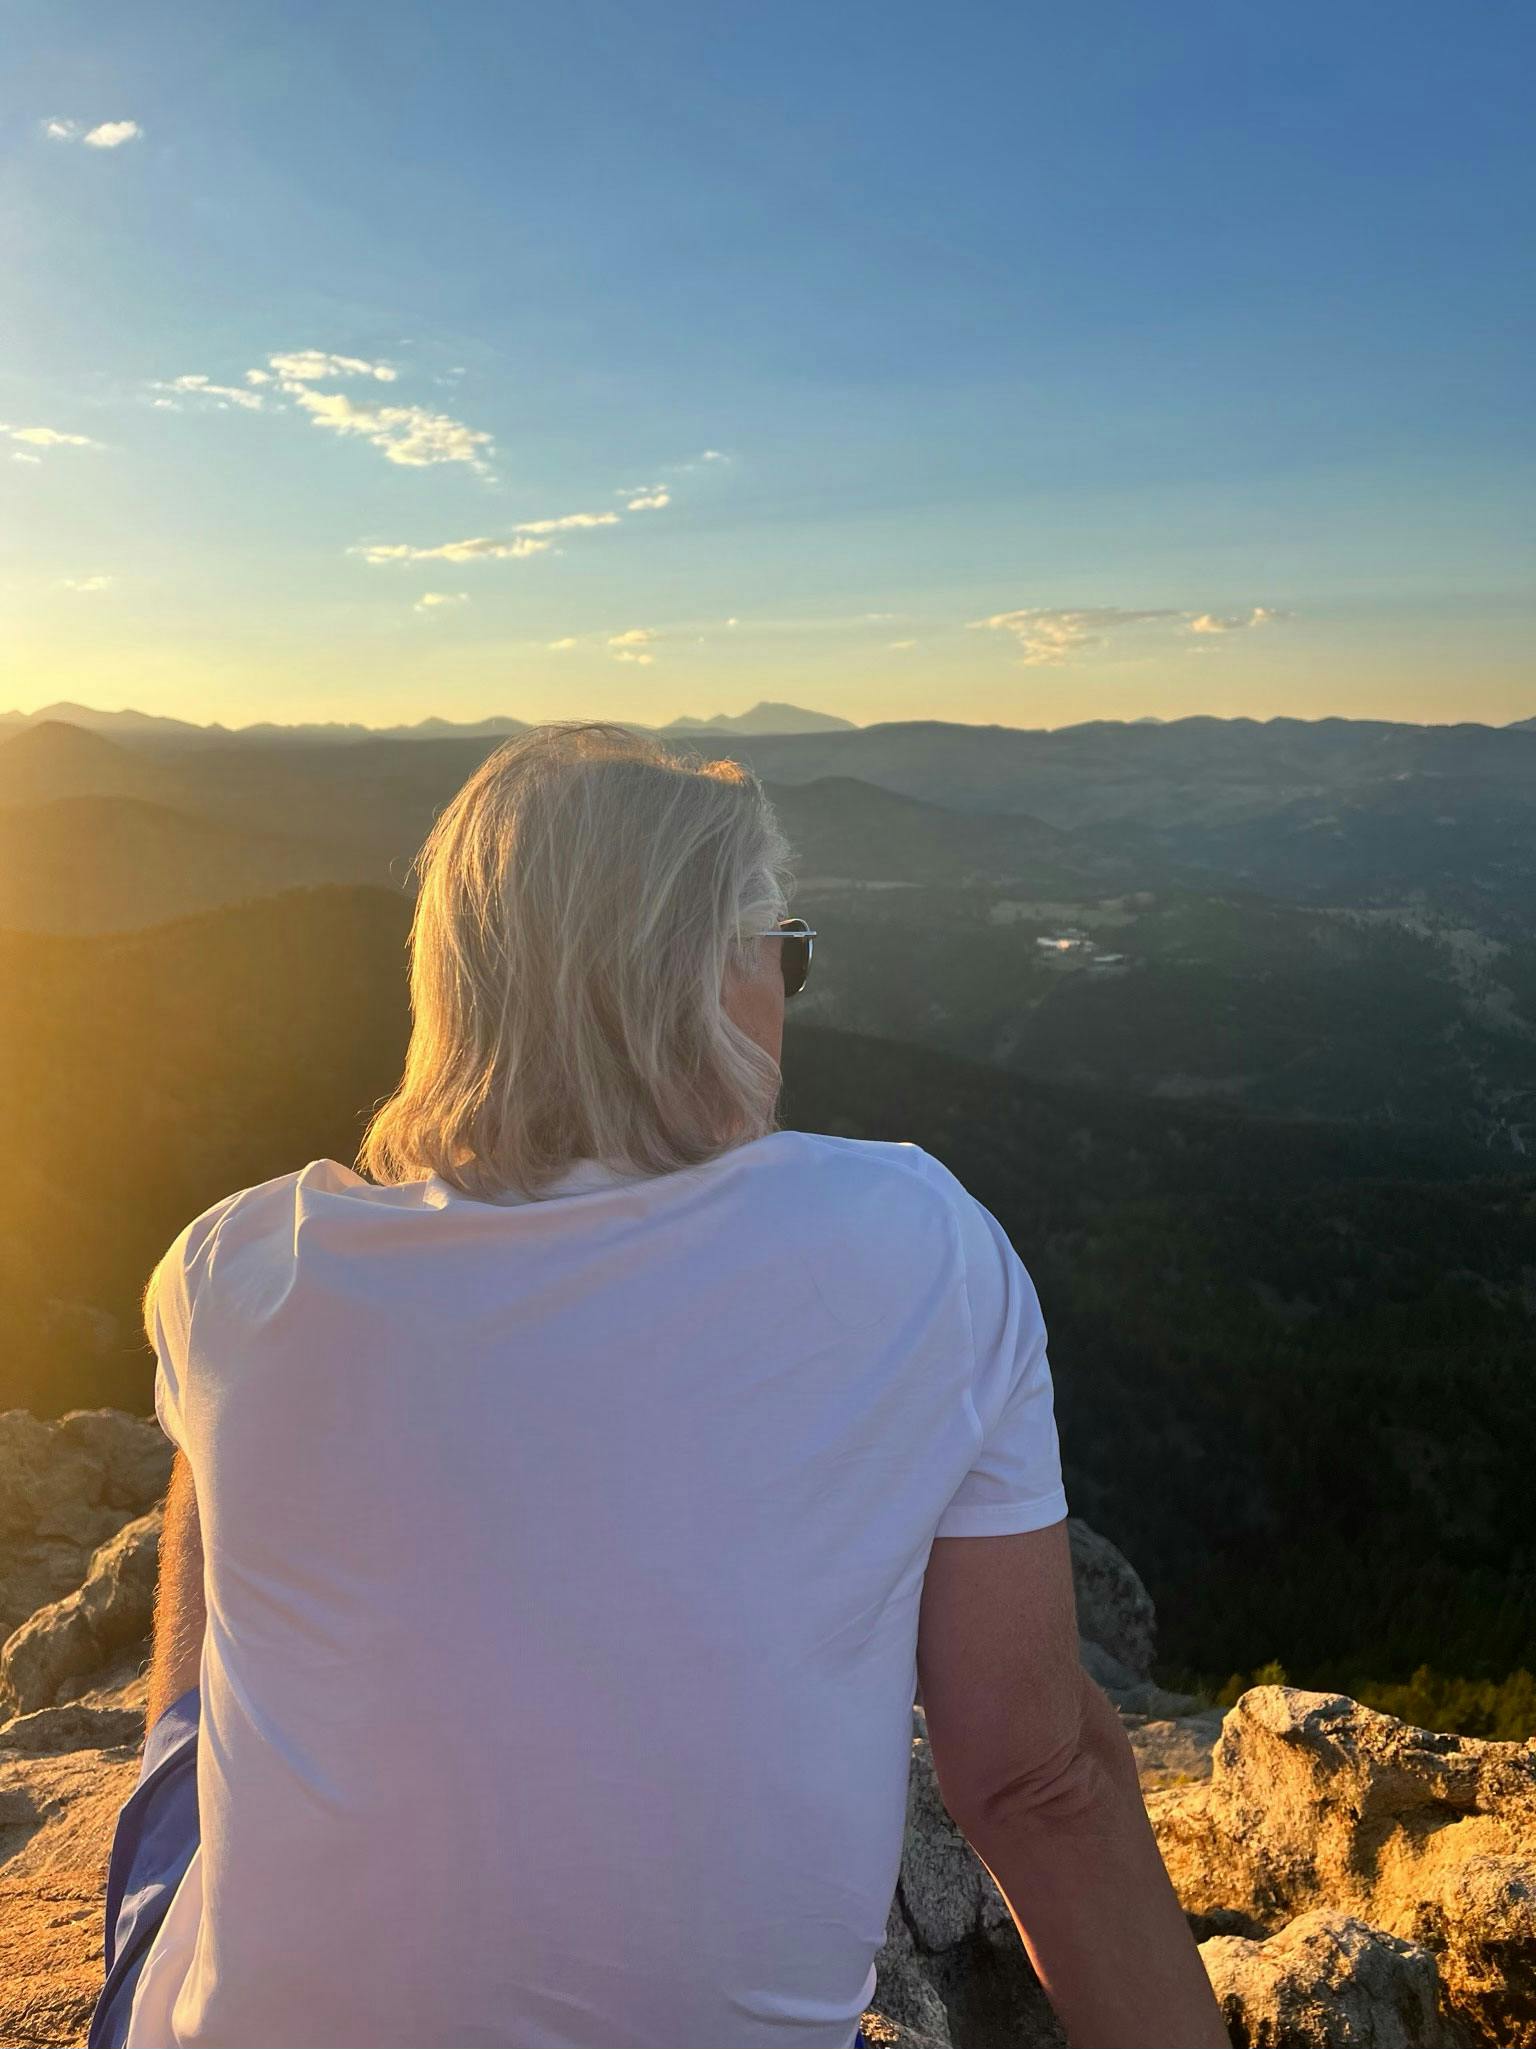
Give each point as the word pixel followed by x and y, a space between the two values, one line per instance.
pixel 128 724
pixel 1316 920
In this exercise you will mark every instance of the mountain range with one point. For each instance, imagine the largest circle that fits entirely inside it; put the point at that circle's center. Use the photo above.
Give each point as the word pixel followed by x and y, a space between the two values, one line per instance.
pixel 766 719
pixel 131 725
pixel 1318 921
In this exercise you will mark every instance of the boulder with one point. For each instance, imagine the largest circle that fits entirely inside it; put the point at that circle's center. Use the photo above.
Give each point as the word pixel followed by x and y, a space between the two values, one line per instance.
pixel 946 1892
pixel 132 1453
pixel 33 1574
pixel 47 1731
pixel 65 1488
pixel 907 2009
pixel 1175 1751
pixel 84 1631
pixel 1317 1803
pixel 1104 1670
pixel 1114 1609
pixel 49 1487
pixel 1151 1702
pixel 1326 1981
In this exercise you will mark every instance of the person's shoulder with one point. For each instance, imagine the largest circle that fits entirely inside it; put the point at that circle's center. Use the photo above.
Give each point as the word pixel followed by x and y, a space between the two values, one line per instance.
pixel 872 1219
pixel 916 1198
pixel 883 1163
pixel 254 1206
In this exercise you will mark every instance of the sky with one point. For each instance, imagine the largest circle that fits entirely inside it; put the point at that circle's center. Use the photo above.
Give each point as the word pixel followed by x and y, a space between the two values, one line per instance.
pixel 1016 364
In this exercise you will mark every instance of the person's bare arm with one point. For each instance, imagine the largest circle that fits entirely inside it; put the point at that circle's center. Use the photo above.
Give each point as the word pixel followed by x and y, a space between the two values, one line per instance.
pixel 180 1616
pixel 1035 1768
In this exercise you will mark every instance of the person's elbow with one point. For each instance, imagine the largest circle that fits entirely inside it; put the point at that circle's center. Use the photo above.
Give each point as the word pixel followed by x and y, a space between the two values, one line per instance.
pixel 1062 1793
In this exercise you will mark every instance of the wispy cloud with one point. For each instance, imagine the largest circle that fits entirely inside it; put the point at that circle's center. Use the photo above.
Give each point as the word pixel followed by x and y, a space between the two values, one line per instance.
pixel 413 436
pixel 901 647
pixel 1219 622
pixel 570 521
pixel 633 646
pixel 636 644
pixel 17 456
pixel 1047 635
pixel 482 548
pixel 435 603
pixel 528 537
pixel 46 437
pixel 319 366
pixel 683 469
pixel 105 135
pixel 409 435
pixel 194 385
pixel 85 584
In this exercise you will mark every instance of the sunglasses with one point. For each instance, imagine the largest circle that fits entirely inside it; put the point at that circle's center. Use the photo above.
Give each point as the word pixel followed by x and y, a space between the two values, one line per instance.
pixel 794 954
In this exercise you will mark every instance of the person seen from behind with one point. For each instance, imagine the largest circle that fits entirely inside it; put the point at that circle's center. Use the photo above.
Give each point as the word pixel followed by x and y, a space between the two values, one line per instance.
pixel 570 1498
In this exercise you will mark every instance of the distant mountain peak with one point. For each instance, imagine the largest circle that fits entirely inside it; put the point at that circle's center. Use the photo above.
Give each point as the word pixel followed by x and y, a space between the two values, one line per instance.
pixel 41 737
pixel 764 717
pixel 67 712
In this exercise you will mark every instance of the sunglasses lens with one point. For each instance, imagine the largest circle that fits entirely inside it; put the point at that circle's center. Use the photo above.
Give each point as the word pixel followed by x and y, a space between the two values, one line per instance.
pixel 794 956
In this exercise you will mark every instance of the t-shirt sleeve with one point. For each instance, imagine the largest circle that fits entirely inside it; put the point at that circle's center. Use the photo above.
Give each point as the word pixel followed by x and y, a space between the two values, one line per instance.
pixel 1015 1483
pixel 169 1300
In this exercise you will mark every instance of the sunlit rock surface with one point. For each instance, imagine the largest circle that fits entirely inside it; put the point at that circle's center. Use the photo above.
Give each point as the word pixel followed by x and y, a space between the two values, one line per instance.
pixel 1327 1981
pixel 1317 1803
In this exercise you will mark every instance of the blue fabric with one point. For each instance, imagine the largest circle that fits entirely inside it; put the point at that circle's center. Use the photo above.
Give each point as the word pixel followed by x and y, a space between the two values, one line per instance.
pixel 155 1839
pixel 157 1833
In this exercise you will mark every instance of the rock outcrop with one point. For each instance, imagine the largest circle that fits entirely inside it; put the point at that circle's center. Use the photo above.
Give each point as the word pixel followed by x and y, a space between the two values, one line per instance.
pixel 1317 1805
pixel 57 1812
pixel 78 1545
pixel 65 1488
pixel 1355 1883
pixel 1327 1981
pixel 1114 1609
pixel 72 1639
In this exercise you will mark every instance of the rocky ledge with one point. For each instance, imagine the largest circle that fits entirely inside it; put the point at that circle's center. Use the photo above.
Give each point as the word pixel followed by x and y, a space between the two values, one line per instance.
pixel 1355 1883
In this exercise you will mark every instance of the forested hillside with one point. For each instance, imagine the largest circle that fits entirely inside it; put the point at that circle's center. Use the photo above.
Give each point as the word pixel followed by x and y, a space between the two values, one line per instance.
pixel 1293 1360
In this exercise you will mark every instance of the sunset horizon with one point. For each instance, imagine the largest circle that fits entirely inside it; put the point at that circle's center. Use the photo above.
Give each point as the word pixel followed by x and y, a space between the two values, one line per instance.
pixel 821 718
pixel 825 371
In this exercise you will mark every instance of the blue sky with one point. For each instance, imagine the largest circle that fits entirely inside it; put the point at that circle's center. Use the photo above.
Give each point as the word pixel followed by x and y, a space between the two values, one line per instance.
pixel 990 363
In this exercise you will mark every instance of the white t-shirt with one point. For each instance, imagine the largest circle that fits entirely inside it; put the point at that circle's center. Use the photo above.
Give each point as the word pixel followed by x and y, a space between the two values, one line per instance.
pixel 563 1566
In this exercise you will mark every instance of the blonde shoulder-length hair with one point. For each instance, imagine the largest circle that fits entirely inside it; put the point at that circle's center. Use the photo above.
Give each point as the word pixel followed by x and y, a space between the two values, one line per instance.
pixel 581 900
